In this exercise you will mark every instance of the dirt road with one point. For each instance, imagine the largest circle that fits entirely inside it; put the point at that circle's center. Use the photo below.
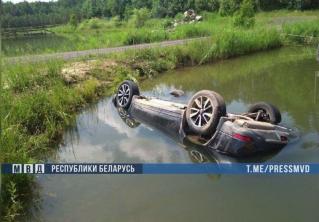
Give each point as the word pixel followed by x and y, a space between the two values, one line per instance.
pixel 92 52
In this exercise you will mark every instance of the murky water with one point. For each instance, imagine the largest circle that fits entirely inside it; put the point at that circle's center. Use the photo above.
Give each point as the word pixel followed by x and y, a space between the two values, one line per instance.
pixel 283 77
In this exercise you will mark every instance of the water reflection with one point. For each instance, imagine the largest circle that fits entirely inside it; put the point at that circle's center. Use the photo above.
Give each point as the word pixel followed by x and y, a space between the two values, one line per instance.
pixel 36 45
pixel 103 135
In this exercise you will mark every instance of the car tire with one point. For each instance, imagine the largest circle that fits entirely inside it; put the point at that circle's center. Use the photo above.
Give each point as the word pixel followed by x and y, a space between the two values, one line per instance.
pixel 204 111
pixel 125 93
pixel 270 113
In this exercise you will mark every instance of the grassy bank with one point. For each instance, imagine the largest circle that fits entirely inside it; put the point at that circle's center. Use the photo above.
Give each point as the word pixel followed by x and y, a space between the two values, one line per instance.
pixel 41 100
pixel 306 32
pixel 101 33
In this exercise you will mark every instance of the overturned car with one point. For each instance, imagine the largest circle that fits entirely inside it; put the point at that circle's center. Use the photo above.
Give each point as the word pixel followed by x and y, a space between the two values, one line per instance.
pixel 205 122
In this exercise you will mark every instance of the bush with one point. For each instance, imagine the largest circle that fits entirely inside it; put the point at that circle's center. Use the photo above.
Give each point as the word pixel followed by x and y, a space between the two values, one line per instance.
pixel 94 23
pixel 73 21
pixel 167 23
pixel 245 17
pixel 179 16
pixel 140 16
pixel 116 21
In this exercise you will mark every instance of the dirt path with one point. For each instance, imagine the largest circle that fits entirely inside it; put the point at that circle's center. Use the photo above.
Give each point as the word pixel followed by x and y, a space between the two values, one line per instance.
pixel 90 52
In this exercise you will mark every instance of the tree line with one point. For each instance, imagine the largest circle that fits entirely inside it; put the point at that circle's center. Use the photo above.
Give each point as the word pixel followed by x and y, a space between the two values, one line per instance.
pixel 33 14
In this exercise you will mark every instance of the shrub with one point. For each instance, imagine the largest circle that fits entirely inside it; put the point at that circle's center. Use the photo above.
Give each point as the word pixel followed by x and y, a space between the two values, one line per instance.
pixel 245 17
pixel 73 21
pixel 167 23
pixel 94 23
pixel 140 16
pixel 179 16
pixel 116 21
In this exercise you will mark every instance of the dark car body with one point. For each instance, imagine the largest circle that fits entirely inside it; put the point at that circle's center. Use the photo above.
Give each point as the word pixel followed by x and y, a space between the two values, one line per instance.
pixel 235 135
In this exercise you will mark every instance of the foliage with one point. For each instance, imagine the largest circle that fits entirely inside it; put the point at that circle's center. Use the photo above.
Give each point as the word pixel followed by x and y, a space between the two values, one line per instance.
pixel 116 21
pixel 145 36
pixel 140 16
pixel 208 5
pixel 245 17
pixel 287 4
pixel 73 21
pixel 228 7
pixel 94 23
pixel 38 13
pixel 303 32
pixel 191 31
pixel 239 42
pixel 104 32
pixel 35 113
pixel 57 12
pixel 13 211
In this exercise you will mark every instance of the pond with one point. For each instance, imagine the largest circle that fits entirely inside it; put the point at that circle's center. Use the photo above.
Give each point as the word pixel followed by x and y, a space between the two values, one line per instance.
pixel 36 44
pixel 285 77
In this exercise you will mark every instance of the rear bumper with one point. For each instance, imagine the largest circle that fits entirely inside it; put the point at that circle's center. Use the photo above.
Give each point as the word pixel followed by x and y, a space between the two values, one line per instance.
pixel 225 143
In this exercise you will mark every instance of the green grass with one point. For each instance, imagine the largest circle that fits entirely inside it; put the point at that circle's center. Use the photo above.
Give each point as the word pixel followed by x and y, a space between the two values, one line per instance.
pixel 38 104
pixel 37 107
pixel 303 32
pixel 101 33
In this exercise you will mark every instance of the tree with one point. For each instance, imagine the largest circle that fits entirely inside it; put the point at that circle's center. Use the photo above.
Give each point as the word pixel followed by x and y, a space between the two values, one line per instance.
pixel 57 12
pixel 159 8
pixel 141 4
pixel 117 7
pixel 92 8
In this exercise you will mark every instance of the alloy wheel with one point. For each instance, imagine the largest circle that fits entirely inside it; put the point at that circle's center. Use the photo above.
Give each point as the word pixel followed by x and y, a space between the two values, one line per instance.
pixel 201 111
pixel 123 95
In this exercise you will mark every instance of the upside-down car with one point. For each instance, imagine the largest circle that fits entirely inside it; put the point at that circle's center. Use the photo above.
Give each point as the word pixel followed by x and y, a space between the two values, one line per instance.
pixel 205 122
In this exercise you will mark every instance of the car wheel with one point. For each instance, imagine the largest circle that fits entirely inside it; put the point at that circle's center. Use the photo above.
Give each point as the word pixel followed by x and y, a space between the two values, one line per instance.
pixel 204 111
pixel 266 112
pixel 125 93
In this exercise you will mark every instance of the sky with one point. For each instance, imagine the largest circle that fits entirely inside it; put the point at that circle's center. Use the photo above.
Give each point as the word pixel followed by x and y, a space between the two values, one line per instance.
pixel 16 1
